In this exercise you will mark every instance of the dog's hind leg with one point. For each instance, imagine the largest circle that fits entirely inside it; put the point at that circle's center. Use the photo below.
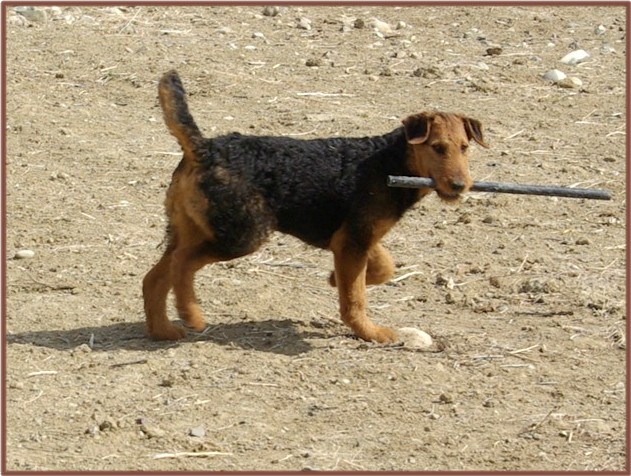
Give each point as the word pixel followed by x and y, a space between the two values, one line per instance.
pixel 155 288
pixel 184 264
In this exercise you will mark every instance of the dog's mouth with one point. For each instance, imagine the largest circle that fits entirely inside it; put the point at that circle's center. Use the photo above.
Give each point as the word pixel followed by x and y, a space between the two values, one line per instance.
pixel 449 191
pixel 448 197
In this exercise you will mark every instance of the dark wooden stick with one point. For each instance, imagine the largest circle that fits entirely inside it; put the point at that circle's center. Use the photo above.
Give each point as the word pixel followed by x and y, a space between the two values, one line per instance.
pixel 497 187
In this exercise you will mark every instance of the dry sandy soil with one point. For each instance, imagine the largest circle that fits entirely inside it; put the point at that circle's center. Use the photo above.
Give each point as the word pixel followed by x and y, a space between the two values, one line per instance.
pixel 524 296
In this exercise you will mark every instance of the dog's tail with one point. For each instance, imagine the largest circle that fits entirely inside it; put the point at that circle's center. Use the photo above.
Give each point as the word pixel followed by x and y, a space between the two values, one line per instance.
pixel 176 114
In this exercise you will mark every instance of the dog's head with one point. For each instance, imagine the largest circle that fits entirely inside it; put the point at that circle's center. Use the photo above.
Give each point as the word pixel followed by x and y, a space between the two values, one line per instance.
pixel 438 145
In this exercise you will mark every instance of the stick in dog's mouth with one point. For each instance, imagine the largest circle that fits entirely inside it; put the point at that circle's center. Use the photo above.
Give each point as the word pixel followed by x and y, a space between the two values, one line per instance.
pixel 499 187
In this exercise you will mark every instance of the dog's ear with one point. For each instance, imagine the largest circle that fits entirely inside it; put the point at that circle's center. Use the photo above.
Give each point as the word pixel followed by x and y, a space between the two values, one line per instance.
pixel 474 130
pixel 417 128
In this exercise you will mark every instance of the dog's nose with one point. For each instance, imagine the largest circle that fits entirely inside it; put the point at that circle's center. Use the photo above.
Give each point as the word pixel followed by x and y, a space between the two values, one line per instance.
pixel 457 185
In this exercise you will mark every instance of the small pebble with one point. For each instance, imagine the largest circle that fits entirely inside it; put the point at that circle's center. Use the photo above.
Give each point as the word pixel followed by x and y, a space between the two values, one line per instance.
pixel 304 23
pixel 84 349
pixel 464 218
pixel 313 62
pixel 152 431
pixel 31 13
pixel 197 432
pixel 24 254
pixel 445 398
pixel 600 30
pixel 271 11
pixel 106 425
pixel 495 282
pixel 346 27
pixel 110 10
pixel 380 26
pixel 414 338
pixel 575 57
pixel 570 83
pixel 17 20
pixel 554 75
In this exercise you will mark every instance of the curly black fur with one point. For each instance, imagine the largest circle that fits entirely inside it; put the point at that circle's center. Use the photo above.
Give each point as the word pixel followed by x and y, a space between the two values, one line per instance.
pixel 306 188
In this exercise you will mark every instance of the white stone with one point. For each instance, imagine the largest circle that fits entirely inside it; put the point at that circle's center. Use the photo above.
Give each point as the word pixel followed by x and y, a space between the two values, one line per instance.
pixel 576 82
pixel 570 83
pixel 31 13
pixel 554 75
pixel 575 57
pixel 113 10
pixel 414 338
pixel 24 254
pixel 197 432
pixel 17 20
pixel 270 11
pixel 380 26
pixel 304 23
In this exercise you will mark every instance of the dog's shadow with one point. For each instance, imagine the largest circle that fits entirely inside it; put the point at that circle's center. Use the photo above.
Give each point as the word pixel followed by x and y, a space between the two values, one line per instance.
pixel 275 336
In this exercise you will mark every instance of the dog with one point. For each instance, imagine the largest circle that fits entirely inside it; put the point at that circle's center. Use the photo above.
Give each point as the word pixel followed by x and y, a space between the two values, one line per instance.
pixel 228 194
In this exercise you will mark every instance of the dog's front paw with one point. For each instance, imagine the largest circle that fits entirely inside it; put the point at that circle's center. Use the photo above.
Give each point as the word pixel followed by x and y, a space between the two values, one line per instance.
pixel 170 332
pixel 378 334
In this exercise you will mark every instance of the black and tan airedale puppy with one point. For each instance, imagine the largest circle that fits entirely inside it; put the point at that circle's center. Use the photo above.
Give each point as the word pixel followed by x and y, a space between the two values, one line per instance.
pixel 229 193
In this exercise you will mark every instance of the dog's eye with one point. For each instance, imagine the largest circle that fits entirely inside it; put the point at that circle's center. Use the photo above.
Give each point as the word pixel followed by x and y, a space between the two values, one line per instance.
pixel 439 149
pixel 464 147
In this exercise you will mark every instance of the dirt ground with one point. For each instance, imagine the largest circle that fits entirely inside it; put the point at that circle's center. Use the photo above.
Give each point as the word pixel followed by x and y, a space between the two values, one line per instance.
pixel 524 296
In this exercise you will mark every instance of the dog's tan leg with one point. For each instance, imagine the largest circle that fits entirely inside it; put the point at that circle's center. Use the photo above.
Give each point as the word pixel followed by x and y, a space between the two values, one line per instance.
pixel 350 276
pixel 155 288
pixel 184 264
pixel 380 266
